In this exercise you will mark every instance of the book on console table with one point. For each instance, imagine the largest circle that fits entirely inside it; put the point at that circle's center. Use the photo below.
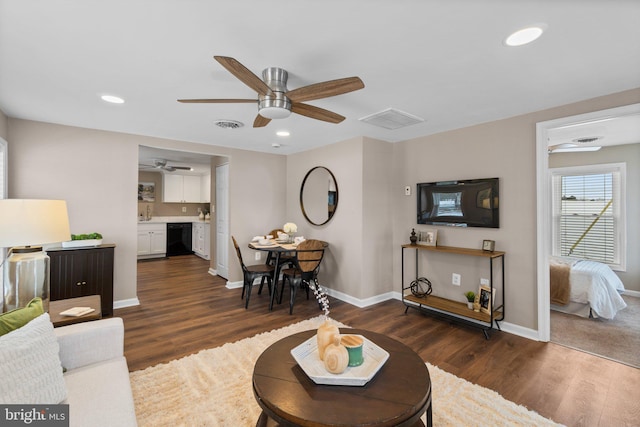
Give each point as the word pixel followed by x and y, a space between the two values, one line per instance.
pixel 77 311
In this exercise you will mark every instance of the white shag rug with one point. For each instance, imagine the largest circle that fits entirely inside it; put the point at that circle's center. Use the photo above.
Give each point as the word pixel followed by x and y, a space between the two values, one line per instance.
pixel 213 388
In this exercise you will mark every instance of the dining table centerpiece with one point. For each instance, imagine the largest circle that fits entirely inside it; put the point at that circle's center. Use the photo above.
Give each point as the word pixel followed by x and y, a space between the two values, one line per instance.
pixel 290 230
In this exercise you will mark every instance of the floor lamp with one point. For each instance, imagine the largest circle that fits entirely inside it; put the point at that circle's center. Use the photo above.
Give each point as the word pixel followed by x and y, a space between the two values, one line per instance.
pixel 24 226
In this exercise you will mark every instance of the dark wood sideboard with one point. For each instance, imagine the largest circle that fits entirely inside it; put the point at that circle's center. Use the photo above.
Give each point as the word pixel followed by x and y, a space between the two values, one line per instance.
pixel 78 272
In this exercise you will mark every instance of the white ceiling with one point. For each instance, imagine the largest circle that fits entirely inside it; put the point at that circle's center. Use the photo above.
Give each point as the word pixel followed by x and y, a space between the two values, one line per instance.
pixel 443 61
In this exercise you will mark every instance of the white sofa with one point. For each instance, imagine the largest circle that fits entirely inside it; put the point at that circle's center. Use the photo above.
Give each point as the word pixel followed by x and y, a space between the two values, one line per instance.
pixel 97 376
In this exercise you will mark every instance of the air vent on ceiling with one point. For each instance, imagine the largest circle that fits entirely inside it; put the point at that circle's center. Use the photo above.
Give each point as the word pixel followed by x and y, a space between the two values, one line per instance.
pixel 228 124
pixel 391 119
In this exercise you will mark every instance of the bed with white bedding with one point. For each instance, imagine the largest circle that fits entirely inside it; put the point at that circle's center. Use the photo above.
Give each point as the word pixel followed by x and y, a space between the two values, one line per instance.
pixel 585 288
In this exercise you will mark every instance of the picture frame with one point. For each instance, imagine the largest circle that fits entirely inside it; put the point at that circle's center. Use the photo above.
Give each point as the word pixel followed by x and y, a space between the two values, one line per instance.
pixel 146 191
pixel 428 237
pixel 488 245
pixel 485 299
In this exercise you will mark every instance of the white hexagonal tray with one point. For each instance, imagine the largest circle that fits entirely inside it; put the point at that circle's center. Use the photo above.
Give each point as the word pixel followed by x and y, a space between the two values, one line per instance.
pixel 306 354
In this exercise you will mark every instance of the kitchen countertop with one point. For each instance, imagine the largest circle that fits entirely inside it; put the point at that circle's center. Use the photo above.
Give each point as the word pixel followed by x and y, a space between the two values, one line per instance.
pixel 166 219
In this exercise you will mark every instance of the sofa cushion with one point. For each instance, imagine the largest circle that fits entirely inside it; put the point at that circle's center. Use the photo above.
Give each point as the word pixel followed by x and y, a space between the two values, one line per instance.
pixel 19 317
pixel 100 395
pixel 30 369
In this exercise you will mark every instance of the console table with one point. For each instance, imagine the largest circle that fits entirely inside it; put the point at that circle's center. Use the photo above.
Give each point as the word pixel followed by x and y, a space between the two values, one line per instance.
pixel 454 310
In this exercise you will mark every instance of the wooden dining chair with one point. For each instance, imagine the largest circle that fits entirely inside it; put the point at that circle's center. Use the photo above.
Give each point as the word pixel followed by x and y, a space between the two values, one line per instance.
pixel 307 261
pixel 252 272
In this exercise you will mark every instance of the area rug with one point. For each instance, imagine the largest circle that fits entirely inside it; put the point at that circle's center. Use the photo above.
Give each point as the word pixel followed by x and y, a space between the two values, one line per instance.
pixel 213 388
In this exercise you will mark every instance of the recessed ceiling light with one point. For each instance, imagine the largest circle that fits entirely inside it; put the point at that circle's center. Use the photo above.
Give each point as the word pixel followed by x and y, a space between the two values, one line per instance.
pixel 112 99
pixel 283 133
pixel 525 35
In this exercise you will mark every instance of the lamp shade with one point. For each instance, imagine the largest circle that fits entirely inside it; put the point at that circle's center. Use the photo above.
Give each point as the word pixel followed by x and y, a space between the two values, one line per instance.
pixel 26 222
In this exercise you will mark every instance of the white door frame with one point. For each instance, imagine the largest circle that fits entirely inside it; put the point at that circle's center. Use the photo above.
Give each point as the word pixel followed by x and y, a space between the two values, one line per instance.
pixel 222 229
pixel 543 184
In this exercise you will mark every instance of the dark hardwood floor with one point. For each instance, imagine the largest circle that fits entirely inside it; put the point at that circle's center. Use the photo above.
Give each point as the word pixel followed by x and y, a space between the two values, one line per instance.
pixel 183 309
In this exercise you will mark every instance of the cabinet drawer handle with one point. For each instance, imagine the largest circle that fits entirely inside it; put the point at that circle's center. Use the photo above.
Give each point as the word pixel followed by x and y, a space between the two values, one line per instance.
pixel 81 283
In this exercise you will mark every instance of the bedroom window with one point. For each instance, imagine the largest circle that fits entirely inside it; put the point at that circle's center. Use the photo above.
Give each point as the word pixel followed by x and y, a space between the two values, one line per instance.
pixel 589 213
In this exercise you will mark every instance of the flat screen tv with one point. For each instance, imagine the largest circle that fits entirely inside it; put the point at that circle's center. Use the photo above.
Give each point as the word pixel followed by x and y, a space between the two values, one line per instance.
pixel 466 203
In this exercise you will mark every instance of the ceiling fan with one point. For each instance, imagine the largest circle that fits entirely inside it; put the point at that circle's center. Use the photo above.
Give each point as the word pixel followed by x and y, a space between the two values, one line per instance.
pixel 162 164
pixel 275 101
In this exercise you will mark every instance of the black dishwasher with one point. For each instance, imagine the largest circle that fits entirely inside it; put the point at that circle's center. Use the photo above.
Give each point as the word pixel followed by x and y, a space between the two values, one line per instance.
pixel 179 238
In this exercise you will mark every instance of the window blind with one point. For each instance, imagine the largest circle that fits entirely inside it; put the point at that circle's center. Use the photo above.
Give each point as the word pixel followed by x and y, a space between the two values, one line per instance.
pixel 587 213
pixel 587 222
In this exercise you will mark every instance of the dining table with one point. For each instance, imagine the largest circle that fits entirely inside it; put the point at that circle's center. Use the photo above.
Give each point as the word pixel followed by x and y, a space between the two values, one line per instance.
pixel 277 248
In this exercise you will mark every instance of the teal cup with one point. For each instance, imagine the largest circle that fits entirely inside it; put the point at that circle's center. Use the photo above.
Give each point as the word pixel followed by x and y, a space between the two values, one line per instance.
pixel 354 344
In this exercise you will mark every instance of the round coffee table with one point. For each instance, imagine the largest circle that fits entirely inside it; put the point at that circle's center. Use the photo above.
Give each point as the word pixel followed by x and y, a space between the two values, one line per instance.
pixel 397 396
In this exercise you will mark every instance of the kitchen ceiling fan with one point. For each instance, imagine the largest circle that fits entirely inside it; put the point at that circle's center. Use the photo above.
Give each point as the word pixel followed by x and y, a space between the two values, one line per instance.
pixel 275 101
pixel 162 164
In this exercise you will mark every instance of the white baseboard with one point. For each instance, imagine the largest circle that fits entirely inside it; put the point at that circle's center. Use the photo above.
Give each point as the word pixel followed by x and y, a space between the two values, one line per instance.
pixel 131 302
pixel 360 303
pixel 213 272
pixel 234 285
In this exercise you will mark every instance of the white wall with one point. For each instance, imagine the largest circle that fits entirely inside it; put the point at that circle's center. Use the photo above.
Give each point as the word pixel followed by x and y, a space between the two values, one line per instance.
pixel 97 173
pixel 3 125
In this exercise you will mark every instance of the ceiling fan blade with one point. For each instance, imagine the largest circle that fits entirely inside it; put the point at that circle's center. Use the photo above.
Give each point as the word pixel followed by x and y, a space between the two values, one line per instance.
pixel 316 113
pixel 243 74
pixel 260 121
pixel 325 89
pixel 184 168
pixel 217 101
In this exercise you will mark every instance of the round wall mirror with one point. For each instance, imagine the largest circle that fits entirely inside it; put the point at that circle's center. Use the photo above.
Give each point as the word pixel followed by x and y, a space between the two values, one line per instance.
pixel 319 195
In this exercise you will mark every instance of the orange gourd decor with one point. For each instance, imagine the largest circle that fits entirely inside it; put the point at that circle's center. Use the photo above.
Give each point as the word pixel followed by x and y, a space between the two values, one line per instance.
pixel 336 357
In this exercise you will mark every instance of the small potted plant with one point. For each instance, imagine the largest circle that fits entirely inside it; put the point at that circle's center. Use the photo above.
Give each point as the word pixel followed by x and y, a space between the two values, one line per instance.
pixel 471 297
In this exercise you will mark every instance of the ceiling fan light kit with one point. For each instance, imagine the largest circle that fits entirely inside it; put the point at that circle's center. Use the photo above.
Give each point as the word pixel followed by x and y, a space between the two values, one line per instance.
pixel 275 101
pixel 162 164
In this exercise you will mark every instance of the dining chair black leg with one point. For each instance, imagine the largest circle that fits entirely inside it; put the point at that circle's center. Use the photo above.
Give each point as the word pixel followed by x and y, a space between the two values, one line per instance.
pixel 292 297
pixel 262 284
pixel 249 286
pixel 282 291
pixel 276 274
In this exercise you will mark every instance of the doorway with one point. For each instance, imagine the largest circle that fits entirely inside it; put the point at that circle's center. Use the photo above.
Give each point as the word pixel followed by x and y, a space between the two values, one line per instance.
pixel 199 163
pixel 545 131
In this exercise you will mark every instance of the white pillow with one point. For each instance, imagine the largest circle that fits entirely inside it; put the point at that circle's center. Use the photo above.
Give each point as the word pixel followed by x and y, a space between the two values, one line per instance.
pixel 30 369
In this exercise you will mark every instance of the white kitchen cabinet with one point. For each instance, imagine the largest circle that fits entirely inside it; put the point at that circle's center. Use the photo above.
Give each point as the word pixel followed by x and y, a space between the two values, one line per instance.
pixel 152 240
pixel 205 188
pixel 181 188
pixel 201 239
